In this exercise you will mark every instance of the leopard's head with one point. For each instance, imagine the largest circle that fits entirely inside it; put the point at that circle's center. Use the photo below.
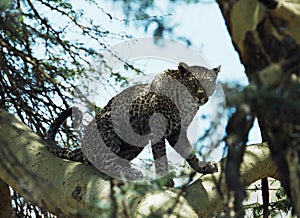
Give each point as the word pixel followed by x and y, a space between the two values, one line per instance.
pixel 200 81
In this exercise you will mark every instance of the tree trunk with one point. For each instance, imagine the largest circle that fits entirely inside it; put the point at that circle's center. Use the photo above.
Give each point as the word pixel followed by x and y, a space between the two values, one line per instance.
pixel 5 201
pixel 266 35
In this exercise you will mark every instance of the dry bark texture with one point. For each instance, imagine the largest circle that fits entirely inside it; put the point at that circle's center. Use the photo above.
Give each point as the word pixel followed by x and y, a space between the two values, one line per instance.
pixel 266 35
pixel 66 188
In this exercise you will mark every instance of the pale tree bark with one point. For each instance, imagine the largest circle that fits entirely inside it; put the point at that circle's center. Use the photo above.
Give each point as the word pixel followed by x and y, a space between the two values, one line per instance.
pixel 266 35
pixel 66 188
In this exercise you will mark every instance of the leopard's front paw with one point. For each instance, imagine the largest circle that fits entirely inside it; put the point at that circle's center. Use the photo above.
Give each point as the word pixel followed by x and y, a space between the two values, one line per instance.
pixel 209 168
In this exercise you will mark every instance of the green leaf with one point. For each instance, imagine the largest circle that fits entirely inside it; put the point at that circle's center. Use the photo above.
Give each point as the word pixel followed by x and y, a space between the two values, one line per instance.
pixel 5 5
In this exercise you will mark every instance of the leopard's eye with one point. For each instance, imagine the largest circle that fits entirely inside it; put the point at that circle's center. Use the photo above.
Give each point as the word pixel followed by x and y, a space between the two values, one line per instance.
pixel 208 78
pixel 193 81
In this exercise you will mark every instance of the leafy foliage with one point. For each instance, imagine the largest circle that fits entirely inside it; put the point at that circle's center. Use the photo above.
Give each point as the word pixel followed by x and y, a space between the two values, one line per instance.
pixel 278 207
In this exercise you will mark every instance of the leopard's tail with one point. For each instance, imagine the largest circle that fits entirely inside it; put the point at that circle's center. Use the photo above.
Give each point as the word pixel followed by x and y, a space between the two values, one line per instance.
pixel 53 129
pixel 75 155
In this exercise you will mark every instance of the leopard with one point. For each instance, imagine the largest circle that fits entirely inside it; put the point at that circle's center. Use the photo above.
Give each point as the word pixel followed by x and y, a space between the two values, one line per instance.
pixel 158 112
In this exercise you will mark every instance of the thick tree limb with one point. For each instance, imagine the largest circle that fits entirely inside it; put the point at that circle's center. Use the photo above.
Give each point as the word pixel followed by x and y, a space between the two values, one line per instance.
pixel 60 186
pixel 202 198
pixel 65 187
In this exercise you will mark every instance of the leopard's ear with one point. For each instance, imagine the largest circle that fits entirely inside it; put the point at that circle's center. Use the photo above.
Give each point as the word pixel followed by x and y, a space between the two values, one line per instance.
pixel 183 67
pixel 217 69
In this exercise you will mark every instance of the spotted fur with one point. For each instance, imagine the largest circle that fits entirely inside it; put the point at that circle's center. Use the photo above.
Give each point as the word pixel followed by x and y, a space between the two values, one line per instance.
pixel 162 110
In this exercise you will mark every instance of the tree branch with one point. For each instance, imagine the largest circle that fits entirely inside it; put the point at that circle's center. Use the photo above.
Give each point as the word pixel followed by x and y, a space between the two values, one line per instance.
pixel 65 187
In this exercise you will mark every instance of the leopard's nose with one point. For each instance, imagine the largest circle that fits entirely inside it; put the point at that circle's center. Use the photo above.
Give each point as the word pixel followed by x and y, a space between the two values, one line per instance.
pixel 203 100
